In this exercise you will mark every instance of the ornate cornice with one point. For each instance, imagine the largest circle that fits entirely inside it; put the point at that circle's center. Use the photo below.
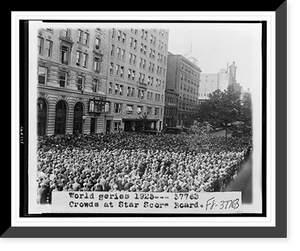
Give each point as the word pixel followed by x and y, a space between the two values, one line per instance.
pixel 65 69
pixel 44 64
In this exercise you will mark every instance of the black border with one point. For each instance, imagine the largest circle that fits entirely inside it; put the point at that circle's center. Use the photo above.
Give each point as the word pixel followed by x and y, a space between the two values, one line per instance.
pixel 24 113
pixel 280 230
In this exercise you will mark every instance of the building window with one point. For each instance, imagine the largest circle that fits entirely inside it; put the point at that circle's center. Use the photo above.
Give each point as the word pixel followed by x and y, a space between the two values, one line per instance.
pixel 119 35
pixel 48 48
pixel 149 110
pixel 79 36
pixel 133 75
pixel 118 52
pixel 118 108
pixel 116 89
pixel 141 93
pixel 63 76
pixel 97 61
pixel 129 109
pixel 85 60
pixel 156 111
pixel 111 68
pixel 131 42
pixel 123 55
pixel 113 33
pixel 122 71
pixel 80 83
pixel 107 107
pixel 42 75
pixel 132 92
pixel 134 59
pixel 95 85
pixel 97 43
pixel 129 73
pixel 117 126
pixel 128 91
pixel 86 38
pixel 124 38
pixel 117 69
pixel 64 54
pixel 121 90
pixel 110 88
pixel 139 110
pixel 78 57
pixel 65 32
pixel 112 50
pixel 40 45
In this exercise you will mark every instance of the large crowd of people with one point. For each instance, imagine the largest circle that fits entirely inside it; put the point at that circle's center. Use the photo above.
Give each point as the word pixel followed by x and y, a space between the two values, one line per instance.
pixel 137 162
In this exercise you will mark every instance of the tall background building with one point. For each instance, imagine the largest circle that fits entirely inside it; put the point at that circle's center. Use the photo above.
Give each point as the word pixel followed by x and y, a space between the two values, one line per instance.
pixel 93 80
pixel 210 82
pixel 183 78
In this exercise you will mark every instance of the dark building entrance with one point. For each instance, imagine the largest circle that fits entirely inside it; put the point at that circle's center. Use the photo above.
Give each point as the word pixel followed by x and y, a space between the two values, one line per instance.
pixel 129 126
pixel 93 125
pixel 108 123
pixel 60 117
pixel 78 121
pixel 41 117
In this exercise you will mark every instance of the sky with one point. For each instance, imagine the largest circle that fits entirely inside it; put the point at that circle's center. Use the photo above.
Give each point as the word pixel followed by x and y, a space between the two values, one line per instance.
pixel 216 44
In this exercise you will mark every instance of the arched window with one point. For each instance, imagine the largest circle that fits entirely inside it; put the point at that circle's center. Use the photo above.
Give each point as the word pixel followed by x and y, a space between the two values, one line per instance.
pixel 60 117
pixel 78 114
pixel 41 116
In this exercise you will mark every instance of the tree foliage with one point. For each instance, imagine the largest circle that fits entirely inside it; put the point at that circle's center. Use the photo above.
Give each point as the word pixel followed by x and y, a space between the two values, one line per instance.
pixel 222 109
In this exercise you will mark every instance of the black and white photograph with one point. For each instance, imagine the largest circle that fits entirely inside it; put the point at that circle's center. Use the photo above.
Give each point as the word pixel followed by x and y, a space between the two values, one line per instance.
pixel 146 122
pixel 146 117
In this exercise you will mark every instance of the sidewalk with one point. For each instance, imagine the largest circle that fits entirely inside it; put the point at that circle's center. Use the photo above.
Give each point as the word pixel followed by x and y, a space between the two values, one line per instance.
pixel 244 181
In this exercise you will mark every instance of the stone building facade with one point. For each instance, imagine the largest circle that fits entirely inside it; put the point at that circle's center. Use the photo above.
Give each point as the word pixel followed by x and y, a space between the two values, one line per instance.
pixel 94 80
